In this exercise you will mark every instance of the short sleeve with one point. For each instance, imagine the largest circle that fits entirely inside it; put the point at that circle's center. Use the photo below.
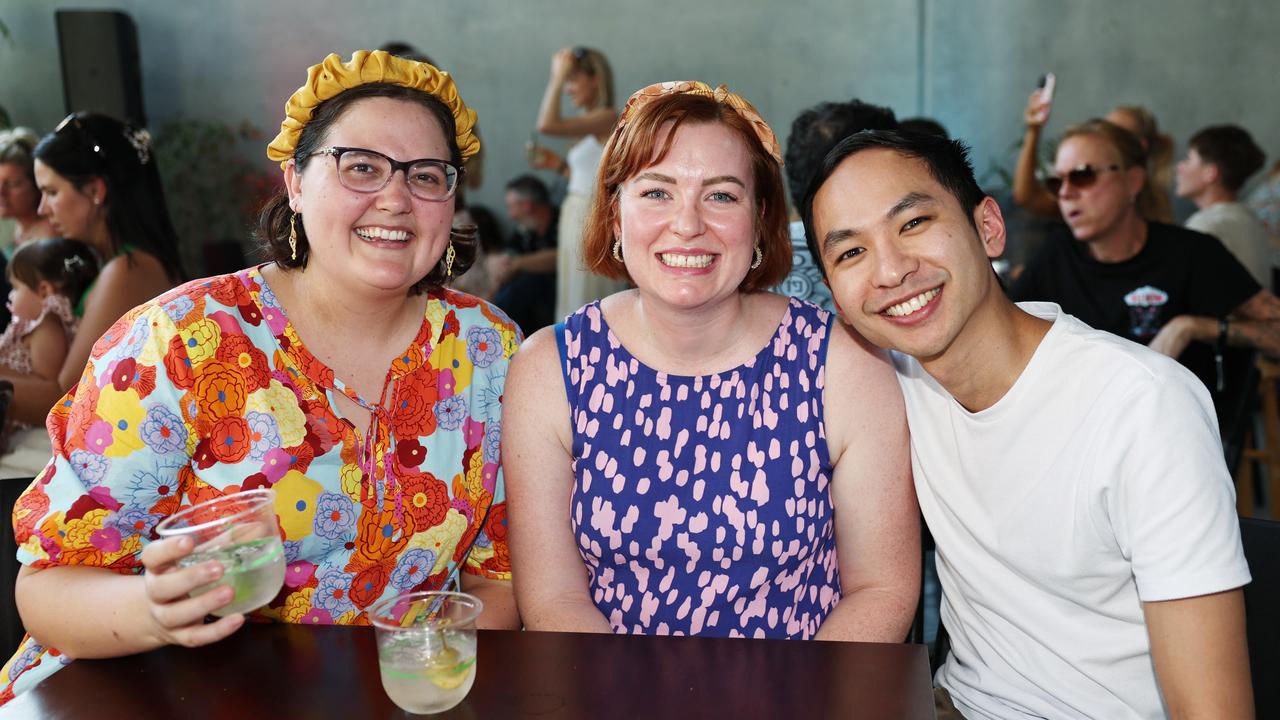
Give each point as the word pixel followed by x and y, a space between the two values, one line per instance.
pixel 489 555
pixel 1172 508
pixel 119 449
pixel 1224 284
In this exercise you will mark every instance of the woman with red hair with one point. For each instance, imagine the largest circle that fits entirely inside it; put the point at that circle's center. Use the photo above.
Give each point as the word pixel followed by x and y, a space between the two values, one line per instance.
pixel 723 460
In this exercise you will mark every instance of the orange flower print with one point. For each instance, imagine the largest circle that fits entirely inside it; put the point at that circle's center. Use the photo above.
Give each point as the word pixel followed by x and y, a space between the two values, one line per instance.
pixel 415 398
pixel 229 290
pixel 409 361
pixel 112 337
pixel 238 351
pixel 177 365
pixel 27 511
pixel 368 585
pixel 426 498
pixel 229 440
pixel 219 392
pixel 313 368
pixel 496 526
pixel 379 537
pixel 83 413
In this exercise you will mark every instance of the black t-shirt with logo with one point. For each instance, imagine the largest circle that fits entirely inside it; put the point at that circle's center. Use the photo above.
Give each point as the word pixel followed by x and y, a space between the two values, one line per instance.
pixel 1177 272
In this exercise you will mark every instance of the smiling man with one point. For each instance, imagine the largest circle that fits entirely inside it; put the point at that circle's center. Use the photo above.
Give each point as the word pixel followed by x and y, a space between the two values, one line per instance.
pixel 1088 547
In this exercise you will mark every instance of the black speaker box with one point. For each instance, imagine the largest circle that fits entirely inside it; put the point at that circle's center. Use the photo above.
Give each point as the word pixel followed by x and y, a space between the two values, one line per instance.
pixel 101 67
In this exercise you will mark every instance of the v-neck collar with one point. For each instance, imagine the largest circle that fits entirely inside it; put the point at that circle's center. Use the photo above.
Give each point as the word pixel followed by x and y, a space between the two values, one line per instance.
pixel 317 371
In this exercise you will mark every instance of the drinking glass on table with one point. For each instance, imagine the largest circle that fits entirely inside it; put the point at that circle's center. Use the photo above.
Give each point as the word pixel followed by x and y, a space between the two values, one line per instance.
pixel 240 531
pixel 427 648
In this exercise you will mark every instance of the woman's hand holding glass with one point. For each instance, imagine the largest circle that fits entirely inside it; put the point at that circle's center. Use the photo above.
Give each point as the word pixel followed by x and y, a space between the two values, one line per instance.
pixel 177 618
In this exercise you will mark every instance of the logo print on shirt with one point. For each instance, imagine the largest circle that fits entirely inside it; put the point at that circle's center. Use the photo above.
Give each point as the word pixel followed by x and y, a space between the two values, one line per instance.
pixel 1144 311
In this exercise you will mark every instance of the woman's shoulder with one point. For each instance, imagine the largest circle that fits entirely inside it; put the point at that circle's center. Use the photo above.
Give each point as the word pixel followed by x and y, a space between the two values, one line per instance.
pixel 136 276
pixel 181 307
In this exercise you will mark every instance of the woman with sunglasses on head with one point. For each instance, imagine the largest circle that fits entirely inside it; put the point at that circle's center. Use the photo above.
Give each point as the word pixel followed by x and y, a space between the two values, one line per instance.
pixel 585 76
pixel 341 373
pixel 716 460
pixel 100 186
pixel 1153 202
pixel 1177 290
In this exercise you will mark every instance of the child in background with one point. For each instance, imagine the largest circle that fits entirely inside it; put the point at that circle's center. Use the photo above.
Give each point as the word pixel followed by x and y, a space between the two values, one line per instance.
pixel 47 276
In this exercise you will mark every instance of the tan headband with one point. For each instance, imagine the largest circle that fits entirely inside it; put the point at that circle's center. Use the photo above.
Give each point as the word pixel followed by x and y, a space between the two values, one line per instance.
pixel 720 94
pixel 333 77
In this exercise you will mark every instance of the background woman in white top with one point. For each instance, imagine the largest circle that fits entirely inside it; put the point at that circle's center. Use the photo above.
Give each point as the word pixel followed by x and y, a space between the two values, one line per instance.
pixel 584 75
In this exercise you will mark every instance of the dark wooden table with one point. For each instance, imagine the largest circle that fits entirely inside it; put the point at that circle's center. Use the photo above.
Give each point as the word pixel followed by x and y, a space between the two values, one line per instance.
pixel 293 671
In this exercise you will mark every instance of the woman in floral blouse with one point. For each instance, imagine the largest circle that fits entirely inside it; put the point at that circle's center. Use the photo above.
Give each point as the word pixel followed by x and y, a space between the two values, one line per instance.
pixel 342 374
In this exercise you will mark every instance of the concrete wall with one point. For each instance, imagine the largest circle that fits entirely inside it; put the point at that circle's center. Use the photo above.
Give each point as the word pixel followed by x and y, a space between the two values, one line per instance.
pixel 969 63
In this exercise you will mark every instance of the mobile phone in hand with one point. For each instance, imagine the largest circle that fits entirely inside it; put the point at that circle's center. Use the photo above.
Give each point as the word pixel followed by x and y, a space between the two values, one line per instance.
pixel 1047 83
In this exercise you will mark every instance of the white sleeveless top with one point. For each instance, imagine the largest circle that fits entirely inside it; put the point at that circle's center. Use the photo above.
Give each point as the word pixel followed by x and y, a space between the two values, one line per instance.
pixel 584 159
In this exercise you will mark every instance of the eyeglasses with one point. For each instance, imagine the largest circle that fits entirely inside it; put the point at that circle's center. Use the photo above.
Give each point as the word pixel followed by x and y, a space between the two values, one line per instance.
pixel 368 171
pixel 86 138
pixel 1080 177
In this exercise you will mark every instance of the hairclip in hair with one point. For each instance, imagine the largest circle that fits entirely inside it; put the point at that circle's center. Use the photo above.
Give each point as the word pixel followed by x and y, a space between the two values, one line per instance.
pixel 140 139
pixel 73 263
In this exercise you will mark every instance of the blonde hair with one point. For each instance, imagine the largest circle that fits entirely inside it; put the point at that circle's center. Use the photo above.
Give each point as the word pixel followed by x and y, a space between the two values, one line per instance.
pixel 1132 154
pixel 593 62
pixel 1159 146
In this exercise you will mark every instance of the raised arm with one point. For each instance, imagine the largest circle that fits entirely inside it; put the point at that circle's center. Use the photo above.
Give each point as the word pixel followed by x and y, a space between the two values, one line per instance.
pixel 1028 192
pixel 1201 657
pixel 877 519
pixel 549 574
pixel 550 122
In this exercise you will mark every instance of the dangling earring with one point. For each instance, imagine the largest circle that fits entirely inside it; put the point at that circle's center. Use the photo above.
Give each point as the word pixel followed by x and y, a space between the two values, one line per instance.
pixel 617 249
pixel 293 236
pixel 759 258
pixel 449 255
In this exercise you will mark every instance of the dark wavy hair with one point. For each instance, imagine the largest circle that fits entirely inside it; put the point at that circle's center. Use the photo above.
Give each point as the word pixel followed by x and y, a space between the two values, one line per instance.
pixel 274 221
pixel 69 265
pixel 89 145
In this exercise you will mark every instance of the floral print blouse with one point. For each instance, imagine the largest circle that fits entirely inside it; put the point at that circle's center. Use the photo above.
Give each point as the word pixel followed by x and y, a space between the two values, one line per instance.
pixel 208 390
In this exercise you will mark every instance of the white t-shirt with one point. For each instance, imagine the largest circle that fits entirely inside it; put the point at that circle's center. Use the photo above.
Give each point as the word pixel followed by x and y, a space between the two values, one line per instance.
pixel 1242 232
pixel 1095 484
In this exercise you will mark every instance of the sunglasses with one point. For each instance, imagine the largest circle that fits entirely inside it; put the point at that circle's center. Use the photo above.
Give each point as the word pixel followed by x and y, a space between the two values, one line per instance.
pixel 86 138
pixel 1080 177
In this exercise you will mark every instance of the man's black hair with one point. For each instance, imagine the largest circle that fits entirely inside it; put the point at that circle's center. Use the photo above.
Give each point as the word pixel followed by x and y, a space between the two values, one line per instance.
pixel 816 130
pixel 947 161
pixel 530 187
pixel 1233 150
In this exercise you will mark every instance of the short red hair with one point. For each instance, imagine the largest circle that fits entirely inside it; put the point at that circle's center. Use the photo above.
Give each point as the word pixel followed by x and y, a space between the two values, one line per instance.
pixel 634 147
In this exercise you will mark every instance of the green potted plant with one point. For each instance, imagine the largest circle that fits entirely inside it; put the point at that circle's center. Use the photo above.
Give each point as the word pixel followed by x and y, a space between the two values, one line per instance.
pixel 213 192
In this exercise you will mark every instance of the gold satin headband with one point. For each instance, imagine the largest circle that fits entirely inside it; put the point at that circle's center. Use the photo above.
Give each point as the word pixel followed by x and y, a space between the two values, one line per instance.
pixel 720 94
pixel 332 76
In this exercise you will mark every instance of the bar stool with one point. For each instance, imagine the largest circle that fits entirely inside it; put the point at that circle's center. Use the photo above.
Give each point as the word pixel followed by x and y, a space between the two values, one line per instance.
pixel 1266 452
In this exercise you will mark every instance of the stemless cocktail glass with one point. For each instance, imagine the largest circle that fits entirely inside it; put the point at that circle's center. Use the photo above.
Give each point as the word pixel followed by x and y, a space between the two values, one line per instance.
pixel 240 531
pixel 427 648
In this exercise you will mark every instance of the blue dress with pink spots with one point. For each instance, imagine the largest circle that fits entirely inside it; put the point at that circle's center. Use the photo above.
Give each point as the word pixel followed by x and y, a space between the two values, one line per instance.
pixel 702 505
